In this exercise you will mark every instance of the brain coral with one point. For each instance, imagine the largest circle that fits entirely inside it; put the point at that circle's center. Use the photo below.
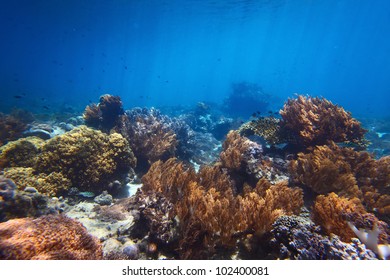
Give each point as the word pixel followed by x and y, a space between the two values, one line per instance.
pixel 90 159
pixel 47 238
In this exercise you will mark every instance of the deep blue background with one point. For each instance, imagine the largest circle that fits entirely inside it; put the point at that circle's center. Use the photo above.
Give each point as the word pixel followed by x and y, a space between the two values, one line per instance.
pixel 155 52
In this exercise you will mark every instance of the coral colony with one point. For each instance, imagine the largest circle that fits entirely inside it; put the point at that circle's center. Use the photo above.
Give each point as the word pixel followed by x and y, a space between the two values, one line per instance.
pixel 139 184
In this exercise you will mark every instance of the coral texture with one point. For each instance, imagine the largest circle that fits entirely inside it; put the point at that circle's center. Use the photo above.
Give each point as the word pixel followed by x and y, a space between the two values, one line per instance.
pixel 89 158
pixel 21 152
pixel 310 121
pixel 52 237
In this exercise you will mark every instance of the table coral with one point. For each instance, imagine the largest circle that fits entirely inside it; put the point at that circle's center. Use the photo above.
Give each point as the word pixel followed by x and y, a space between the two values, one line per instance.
pixel 310 121
pixel 89 158
pixel 52 237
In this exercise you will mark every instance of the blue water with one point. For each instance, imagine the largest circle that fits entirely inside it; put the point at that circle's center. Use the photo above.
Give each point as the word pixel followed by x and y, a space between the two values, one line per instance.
pixel 59 53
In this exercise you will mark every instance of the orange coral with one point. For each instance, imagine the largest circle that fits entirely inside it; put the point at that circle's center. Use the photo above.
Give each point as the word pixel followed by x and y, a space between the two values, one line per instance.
pixel 310 121
pixel 211 215
pixel 47 238
pixel 330 213
pixel 325 170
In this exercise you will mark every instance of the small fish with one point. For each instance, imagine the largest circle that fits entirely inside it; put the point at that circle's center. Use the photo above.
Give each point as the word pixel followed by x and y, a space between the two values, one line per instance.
pixel 254 115
pixel 45 107
pixel 86 194
pixel 18 96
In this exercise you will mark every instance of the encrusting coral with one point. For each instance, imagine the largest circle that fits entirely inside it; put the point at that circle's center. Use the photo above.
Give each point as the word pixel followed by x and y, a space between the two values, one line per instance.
pixel 310 121
pixel 52 237
pixel 104 116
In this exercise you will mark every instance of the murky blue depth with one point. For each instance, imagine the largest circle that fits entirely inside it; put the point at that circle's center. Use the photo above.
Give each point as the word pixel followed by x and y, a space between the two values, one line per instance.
pixel 59 53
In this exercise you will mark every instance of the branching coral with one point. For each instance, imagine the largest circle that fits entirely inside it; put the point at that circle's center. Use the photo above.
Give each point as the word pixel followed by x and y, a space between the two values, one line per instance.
pixel 265 127
pixel 348 173
pixel 325 170
pixel 104 115
pixel 211 215
pixel 330 213
pixel 310 121
pixel 150 135
pixel 89 158
pixel 47 238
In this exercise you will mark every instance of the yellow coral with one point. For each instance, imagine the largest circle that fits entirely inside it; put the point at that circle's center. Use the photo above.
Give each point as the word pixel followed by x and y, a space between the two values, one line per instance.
pixel 90 159
pixel 49 184
pixel 21 153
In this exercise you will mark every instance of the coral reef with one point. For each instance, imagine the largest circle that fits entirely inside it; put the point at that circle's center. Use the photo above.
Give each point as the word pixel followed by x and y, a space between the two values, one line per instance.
pixel 310 121
pixel 106 114
pixel 46 238
pixel 210 214
pixel 90 159
pixel 296 238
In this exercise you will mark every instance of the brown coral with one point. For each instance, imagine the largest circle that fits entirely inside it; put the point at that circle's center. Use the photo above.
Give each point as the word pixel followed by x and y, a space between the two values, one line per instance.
pixel 310 121
pixel 330 213
pixel 105 115
pixel 149 136
pixel 211 214
pixel 47 238
pixel 89 158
